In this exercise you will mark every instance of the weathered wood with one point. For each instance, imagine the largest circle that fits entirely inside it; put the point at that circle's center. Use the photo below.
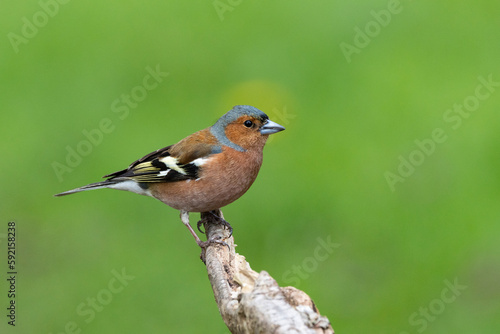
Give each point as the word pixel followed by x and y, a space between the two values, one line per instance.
pixel 251 302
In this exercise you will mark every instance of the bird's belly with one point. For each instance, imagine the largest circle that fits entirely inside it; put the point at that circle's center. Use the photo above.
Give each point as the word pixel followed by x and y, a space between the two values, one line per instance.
pixel 201 195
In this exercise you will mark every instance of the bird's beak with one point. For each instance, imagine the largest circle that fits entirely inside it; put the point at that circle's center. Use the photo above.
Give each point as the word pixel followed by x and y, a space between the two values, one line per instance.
pixel 271 127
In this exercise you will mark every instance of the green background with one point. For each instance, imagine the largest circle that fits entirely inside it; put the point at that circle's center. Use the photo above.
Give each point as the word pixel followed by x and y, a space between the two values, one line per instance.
pixel 349 121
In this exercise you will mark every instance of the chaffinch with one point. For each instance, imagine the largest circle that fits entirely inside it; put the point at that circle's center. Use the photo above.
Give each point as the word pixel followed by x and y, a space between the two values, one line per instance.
pixel 203 172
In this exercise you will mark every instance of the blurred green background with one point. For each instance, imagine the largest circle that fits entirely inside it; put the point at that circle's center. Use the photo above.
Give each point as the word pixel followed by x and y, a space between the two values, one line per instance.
pixel 357 85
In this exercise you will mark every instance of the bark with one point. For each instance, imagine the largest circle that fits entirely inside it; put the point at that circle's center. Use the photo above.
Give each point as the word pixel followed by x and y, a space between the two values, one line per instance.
pixel 251 302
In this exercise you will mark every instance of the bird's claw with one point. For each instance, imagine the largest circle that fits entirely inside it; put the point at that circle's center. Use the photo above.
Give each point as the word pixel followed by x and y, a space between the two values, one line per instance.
pixel 198 225
pixel 204 244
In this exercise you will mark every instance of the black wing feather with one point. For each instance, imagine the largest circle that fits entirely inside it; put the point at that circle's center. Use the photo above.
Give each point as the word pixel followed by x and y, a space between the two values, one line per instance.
pixel 149 168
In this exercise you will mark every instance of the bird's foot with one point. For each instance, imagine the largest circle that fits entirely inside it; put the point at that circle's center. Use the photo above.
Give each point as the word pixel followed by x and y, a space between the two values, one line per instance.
pixel 220 220
pixel 204 244
pixel 223 222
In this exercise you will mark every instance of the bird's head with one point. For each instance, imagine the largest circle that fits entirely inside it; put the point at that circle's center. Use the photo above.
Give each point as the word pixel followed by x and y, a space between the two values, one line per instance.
pixel 244 128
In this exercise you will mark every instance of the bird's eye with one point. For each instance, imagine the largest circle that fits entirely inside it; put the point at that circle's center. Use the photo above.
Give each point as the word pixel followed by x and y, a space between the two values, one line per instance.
pixel 248 123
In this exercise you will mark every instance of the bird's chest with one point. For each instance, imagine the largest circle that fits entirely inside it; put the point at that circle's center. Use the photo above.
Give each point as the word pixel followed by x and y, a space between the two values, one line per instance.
pixel 229 175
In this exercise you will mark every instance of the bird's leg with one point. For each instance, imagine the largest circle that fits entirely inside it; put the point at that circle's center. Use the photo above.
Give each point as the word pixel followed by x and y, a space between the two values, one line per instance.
pixel 202 244
pixel 221 221
pixel 185 221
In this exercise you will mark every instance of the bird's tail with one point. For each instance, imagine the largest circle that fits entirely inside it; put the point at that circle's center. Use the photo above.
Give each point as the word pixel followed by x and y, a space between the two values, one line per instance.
pixel 97 185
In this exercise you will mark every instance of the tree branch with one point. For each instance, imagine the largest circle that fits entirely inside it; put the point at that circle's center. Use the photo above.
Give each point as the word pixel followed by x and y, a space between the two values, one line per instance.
pixel 251 302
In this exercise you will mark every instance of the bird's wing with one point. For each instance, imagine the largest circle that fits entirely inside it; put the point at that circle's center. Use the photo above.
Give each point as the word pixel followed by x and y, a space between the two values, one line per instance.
pixel 168 164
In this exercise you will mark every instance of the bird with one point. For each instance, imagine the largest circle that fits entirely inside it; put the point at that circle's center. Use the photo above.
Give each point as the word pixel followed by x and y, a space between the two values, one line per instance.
pixel 203 172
